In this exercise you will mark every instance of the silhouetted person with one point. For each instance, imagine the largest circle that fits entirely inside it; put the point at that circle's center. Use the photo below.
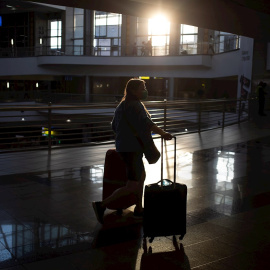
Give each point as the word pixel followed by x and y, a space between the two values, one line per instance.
pixel 143 49
pixel 149 47
pixel 211 44
pixel 134 49
pixel 127 145
pixel 200 92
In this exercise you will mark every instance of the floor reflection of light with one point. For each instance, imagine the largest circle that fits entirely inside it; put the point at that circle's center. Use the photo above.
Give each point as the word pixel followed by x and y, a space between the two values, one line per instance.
pixel 6 231
pixel 153 173
pixel 96 173
pixel 184 166
pixel 225 174
pixel 24 242
pixel 225 166
pixel 223 203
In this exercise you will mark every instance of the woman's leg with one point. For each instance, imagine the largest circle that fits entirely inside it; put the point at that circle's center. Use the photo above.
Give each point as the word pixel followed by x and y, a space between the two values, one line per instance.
pixel 131 193
pixel 139 207
pixel 131 188
pixel 122 196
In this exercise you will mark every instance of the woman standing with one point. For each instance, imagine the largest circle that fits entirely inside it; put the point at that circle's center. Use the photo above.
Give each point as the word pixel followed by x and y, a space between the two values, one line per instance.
pixel 131 116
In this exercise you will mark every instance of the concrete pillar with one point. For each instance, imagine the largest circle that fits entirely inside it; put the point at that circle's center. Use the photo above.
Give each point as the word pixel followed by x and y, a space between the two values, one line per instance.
pixel 50 91
pixel 259 71
pixel 124 37
pixel 131 33
pixel 88 32
pixel 69 31
pixel 171 89
pixel 87 89
pixel 174 39
pixel 203 38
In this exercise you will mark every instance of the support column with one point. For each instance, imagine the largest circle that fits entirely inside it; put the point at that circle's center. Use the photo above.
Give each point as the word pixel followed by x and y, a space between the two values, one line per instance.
pixel 88 32
pixel 50 91
pixel 131 32
pixel 69 26
pixel 124 35
pixel 174 39
pixel 87 89
pixel 259 71
pixel 171 89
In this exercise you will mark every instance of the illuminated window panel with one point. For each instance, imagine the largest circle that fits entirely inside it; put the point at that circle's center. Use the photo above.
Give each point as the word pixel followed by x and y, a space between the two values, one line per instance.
pixel 107 41
pixel 55 34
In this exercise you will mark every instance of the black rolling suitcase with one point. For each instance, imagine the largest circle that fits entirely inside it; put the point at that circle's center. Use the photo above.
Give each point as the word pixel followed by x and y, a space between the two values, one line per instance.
pixel 165 204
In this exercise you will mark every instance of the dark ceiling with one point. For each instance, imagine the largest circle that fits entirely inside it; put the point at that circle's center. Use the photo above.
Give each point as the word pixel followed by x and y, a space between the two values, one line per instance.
pixel 17 6
pixel 244 17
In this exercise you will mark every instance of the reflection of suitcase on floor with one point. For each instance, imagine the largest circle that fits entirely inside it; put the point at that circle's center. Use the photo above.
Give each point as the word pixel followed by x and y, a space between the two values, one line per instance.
pixel 114 178
pixel 165 206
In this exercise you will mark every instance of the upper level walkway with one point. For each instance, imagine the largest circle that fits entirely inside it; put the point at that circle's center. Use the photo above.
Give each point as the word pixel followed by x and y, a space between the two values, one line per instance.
pixel 89 61
pixel 46 219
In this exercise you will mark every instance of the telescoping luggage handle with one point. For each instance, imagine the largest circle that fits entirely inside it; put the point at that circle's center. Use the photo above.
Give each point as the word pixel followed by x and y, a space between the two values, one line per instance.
pixel 174 163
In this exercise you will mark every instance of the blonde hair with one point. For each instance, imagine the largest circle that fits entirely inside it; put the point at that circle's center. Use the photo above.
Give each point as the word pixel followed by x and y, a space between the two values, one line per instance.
pixel 131 86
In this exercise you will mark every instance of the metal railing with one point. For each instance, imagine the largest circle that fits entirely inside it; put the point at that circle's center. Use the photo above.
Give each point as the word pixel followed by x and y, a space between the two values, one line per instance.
pixel 48 127
pixel 45 96
pixel 80 50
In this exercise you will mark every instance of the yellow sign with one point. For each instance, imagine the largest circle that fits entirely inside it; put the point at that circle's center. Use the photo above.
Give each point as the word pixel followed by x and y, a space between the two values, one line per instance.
pixel 45 132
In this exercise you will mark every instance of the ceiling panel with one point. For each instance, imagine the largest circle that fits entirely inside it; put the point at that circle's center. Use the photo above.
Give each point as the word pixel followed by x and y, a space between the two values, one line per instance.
pixel 245 17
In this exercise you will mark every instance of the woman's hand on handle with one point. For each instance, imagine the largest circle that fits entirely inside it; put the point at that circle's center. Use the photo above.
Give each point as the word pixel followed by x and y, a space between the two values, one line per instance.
pixel 166 136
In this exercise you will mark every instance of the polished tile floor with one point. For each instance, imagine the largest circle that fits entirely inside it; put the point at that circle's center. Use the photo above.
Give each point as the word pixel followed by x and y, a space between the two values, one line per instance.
pixel 46 219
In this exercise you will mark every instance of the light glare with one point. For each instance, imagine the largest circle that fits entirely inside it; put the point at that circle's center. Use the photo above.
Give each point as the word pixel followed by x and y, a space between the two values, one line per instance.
pixel 159 29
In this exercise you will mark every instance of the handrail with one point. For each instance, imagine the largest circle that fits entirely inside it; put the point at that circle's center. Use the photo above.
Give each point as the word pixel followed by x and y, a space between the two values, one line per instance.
pixel 110 104
pixel 193 48
pixel 59 126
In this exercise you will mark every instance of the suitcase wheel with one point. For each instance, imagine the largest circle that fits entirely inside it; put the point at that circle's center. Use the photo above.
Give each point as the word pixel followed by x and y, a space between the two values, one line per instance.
pixel 151 239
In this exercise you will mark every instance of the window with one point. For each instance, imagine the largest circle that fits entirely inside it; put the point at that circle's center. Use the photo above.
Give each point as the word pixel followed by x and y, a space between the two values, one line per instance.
pixel 159 33
pixel 55 33
pixel 15 27
pixel 188 39
pixel 107 40
pixel 227 42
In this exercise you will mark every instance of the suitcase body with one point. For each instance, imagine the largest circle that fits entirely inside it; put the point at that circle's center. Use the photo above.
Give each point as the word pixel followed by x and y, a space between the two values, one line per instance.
pixel 115 177
pixel 165 204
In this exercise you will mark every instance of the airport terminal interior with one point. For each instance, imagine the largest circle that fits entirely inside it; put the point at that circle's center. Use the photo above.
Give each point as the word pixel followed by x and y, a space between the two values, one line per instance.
pixel 65 60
